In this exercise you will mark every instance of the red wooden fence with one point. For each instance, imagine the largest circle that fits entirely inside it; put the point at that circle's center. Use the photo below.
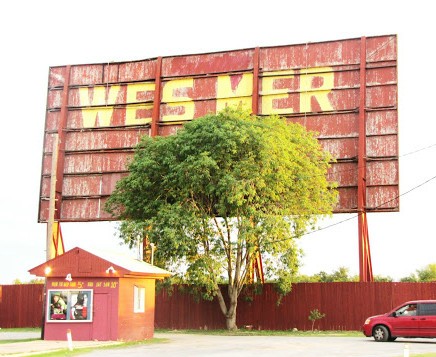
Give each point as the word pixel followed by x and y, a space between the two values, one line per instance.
pixel 346 306
pixel 21 305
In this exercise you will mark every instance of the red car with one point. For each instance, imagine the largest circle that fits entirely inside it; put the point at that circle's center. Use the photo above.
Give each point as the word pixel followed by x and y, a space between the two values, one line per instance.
pixel 411 319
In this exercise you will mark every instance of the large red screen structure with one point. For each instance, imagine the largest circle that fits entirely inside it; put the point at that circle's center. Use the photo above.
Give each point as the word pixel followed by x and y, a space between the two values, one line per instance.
pixel 345 90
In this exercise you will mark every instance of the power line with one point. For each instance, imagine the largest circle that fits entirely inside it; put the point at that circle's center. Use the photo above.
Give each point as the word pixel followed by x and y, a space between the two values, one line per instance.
pixel 418 150
pixel 380 205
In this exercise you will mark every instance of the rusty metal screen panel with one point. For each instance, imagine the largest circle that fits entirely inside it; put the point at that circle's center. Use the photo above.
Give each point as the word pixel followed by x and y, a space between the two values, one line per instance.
pixel 100 112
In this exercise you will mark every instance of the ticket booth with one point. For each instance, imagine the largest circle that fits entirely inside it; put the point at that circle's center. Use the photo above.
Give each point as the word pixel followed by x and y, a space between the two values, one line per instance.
pixel 98 296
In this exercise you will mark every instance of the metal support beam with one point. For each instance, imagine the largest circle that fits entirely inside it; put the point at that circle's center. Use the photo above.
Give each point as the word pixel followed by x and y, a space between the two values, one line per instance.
pixel 54 240
pixel 365 265
pixel 156 102
pixel 49 247
pixel 255 95
pixel 61 144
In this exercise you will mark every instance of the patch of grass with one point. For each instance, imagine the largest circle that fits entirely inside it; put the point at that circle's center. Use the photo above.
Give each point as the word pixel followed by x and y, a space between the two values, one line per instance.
pixel 79 351
pixel 20 340
pixel 247 332
pixel 25 329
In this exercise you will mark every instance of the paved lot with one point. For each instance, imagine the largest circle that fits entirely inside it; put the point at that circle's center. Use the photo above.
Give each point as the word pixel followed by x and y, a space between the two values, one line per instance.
pixel 206 345
pixel 28 348
pixel 272 346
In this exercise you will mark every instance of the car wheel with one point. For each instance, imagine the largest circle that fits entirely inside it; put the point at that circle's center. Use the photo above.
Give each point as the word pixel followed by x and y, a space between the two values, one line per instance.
pixel 380 333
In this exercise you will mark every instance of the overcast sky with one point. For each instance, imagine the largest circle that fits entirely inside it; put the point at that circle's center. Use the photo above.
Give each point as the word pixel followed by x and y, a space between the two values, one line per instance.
pixel 39 34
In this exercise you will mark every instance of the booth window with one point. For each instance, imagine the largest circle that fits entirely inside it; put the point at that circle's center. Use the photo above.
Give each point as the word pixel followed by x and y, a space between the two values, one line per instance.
pixel 138 299
pixel 69 305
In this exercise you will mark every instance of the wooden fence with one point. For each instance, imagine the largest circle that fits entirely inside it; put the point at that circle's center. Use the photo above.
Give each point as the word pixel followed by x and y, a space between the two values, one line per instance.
pixel 21 305
pixel 345 305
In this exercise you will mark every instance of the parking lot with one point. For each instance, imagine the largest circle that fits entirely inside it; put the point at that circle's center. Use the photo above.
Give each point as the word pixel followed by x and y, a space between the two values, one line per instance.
pixel 275 346
pixel 178 344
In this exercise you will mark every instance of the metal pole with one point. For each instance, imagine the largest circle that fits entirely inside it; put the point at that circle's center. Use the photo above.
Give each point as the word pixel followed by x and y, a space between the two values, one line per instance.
pixel 365 265
pixel 50 252
pixel 154 130
pixel 255 95
pixel 152 253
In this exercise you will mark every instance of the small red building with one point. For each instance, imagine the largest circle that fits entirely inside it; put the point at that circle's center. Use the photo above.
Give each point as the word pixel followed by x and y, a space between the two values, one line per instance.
pixel 99 297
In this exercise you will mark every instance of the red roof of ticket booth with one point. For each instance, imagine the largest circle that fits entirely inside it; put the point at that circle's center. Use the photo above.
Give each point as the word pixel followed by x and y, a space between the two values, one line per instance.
pixel 81 263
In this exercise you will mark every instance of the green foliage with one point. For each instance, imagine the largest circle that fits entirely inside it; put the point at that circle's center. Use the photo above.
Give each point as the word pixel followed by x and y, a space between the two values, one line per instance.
pixel 250 290
pixel 385 279
pixel 427 274
pixel 31 281
pixel 283 284
pixel 339 275
pixel 225 188
pixel 315 315
pixel 412 278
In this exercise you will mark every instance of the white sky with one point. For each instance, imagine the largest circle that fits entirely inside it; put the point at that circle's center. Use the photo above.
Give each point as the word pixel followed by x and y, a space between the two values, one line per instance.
pixel 39 34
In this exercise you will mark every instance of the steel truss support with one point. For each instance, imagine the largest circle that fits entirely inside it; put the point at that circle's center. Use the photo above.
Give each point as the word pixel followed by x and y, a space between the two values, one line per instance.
pixel 365 265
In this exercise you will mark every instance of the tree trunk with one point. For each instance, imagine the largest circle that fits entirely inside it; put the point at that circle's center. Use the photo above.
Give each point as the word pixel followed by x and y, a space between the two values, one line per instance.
pixel 231 322
pixel 230 312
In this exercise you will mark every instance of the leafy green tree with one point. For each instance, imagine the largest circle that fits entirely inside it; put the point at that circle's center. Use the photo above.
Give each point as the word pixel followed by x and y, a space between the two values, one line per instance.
pixel 224 189
pixel 31 281
pixel 340 275
pixel 412 278
pixel 315 315
pixel 383 279
pixel 427 274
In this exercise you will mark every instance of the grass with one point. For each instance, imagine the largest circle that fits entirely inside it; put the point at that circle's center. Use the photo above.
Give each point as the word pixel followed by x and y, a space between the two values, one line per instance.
pixel 81 351
pixel 241 332
pixel 247 332
pixel 21 340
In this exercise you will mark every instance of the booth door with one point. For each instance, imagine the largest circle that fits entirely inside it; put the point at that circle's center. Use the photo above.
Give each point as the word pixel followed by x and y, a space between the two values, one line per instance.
pixel 101 320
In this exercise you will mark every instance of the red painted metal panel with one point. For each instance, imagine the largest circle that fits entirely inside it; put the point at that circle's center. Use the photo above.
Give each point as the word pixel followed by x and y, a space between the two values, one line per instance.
pixel 339 126
pixel 200 64
pixel 382 122
pixel 382 173
pixel 382 198
pixel 137 71
pixel 348 199
pixel 99 140
pixel 86 74
pixel 110 106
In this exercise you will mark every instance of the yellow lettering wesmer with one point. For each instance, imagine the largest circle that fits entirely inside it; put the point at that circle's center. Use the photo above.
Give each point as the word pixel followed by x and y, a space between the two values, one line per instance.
pixel 240 96
pixel 271 94
pixel 98 116
pixel 319 93
pixel 172 94
pixel 132 97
